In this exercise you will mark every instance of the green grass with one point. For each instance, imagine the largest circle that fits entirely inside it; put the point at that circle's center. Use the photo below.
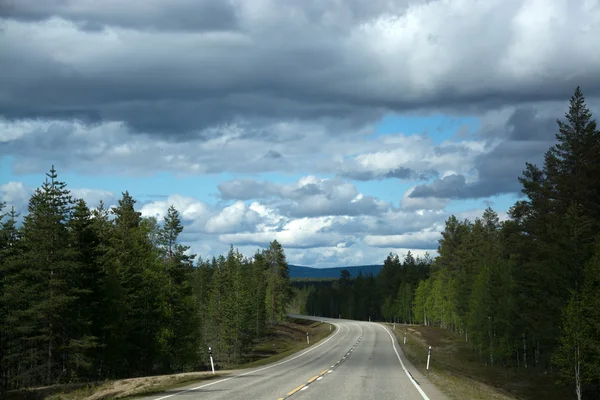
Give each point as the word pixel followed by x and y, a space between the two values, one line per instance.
pixel 284 339
pixel 458 371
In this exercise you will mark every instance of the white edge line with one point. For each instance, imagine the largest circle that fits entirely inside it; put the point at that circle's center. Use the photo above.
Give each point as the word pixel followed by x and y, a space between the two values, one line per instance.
pixel 402 364
pixel 256 370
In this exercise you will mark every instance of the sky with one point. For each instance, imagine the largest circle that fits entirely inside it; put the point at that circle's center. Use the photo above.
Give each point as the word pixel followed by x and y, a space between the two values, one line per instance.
pixel 344 129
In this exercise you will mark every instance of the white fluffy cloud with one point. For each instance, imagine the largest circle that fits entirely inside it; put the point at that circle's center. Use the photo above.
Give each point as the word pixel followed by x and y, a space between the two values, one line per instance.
pixel 189 208
pixel 235 218
pixel 15 194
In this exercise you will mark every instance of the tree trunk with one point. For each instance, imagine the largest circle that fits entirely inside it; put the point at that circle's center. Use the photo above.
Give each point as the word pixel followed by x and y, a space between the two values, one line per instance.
pixel 524 351
pixel 577 374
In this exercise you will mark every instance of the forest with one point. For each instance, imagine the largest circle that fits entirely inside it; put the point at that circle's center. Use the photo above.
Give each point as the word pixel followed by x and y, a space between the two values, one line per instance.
pixel 525 292
pixel 93 294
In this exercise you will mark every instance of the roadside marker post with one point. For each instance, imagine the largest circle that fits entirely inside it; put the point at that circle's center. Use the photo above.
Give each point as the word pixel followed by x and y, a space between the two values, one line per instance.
pixel 428 357
pixel 307 339
pixel 404 339
pixel 212 365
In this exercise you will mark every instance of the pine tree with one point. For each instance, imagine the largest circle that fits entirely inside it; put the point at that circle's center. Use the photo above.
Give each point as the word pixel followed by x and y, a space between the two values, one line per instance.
pixel 183 317
pixel 109 325
pixel 9 237
pixel 142 281
pixel 278 282
pixel 39 288
pixel 83 242
pixel 258 287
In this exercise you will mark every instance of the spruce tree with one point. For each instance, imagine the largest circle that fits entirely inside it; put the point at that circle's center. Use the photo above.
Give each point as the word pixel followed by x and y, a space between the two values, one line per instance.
pixel 278 282
pixel 183 317
pixel 39 287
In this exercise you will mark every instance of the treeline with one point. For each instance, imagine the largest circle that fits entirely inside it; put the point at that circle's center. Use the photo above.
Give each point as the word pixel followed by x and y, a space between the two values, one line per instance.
pixel 106 293
pixel 389 295
pixel 526 291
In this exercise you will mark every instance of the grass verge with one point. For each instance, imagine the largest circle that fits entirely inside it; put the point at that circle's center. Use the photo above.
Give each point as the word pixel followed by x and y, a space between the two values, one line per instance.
pixel 459 373
pixel 284 339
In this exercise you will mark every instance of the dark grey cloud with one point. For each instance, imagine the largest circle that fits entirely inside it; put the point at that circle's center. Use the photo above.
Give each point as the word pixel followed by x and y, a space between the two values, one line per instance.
pixel 451 186
pixel 175 67
pixel 191 15
pixel 401 173
pixel 498 173
pixel 522 136
pixel 272 154
pixel 526 124
pixel 247 189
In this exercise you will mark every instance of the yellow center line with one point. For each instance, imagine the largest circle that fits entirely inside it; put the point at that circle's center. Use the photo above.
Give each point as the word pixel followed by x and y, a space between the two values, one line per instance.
pixel 295 390
pixel 311 380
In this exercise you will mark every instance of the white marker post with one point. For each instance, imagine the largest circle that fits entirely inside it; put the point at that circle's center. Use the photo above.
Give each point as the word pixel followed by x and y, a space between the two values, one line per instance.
pixel 212 365
pixel 369 318
pixel 404 339
pixel 428 357
pixel 307 339
pixel 394 326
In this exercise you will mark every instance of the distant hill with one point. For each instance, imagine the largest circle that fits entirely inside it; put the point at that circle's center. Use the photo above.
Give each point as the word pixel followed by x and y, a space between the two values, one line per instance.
pixel 297 271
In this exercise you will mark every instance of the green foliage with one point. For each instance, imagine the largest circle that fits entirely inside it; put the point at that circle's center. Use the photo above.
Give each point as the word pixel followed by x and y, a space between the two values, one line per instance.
pixel 87 295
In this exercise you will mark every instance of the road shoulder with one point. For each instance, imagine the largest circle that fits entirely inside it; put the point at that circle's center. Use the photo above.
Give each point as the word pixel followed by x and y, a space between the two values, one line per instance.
pixel 431 391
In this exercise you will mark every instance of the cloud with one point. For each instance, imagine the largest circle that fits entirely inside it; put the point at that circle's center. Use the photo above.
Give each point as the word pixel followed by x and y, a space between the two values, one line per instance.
pixel 401 173
pixel 297 233
pixel 193 65
pixel 234 218
pixel 422 240
pixel 93 197
pixel 309 197
pixel 411 203
pixel 15 194
pixel 191 210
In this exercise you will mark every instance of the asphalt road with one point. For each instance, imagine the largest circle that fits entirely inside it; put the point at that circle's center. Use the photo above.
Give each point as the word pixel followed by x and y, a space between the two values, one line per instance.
pixel 357 361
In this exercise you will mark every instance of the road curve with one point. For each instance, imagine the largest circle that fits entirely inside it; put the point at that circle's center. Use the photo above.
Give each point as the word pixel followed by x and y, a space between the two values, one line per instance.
pixel 358 361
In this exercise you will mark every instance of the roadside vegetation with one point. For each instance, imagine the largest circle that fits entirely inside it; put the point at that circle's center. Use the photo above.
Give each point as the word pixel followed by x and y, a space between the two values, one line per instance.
pixel 522 294
pixel 456 369
pixel 88 295
pixel 283 339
